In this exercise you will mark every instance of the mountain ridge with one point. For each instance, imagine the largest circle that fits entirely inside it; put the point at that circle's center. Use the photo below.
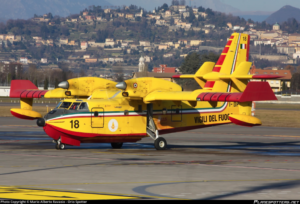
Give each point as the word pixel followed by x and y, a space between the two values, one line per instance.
pixel 283 14
pixel 19 9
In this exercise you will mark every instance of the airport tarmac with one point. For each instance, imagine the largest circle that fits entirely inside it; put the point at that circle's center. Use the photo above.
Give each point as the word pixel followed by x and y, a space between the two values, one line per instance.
pixel 222 162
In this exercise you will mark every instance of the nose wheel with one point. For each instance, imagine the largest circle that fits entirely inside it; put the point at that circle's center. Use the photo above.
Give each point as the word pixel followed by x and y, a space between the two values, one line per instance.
pixel 59 145
pixel 160 143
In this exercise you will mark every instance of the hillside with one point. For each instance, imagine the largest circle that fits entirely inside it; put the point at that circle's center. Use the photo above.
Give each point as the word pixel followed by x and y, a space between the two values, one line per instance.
pixel 20 9
pixel 215 5
pixel 284 14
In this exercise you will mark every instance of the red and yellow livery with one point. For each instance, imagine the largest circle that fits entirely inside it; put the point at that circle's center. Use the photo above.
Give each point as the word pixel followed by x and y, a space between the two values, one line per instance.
pixel 98 110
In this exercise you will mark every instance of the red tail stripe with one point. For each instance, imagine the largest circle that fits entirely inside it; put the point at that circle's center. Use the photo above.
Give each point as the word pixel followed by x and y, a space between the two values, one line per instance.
pixel 209 84
pixel 216 69
pixel 229 43
pixel 225 50
pixel 221 60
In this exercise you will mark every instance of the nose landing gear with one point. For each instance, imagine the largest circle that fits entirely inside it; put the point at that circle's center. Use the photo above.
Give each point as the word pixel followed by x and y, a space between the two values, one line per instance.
pixel 59 145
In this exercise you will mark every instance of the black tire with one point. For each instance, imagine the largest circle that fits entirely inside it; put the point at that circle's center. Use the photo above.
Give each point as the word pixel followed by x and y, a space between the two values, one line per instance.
pixel 57 146
pixel 61 146
pixel 160 143
pixel 117 145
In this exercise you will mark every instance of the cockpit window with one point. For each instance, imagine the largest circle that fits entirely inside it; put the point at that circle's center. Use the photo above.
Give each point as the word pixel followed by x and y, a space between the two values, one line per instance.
pixel 83 106
pixel 65 105
pixel 74 106
pixel 58 105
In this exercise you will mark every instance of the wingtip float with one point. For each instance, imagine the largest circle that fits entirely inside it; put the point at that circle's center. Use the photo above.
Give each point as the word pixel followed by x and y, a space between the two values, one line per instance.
pixel 96 110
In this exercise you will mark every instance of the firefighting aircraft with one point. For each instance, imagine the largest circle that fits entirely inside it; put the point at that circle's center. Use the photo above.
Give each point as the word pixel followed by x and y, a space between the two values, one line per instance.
pixel 96 110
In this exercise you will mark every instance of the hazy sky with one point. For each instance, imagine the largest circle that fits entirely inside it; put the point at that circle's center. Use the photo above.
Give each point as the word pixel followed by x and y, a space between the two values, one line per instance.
pixel 261 5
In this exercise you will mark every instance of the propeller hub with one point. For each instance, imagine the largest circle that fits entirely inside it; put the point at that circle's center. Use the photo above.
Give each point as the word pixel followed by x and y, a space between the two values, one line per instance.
pixel 121 85
pixel 64 85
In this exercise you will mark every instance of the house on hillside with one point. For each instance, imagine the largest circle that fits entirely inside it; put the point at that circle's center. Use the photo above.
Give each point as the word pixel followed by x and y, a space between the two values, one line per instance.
pixel 145 43
pixel 129 16
pixel 168 13
pixel 276 84
pixel 84 45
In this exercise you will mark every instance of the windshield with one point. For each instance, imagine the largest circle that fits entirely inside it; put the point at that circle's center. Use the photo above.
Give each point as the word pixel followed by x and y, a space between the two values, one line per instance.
pixel 83 106
pixel 65 105
pixel 58 105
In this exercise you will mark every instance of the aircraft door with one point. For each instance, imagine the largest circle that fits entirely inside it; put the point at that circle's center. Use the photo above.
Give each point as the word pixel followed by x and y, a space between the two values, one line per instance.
pixel 176 113
pixel 97 118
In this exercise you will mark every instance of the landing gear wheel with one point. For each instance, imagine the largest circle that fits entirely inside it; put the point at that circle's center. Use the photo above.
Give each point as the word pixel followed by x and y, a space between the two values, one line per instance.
pixel 61 146
pixel 117 145
pixel 160 143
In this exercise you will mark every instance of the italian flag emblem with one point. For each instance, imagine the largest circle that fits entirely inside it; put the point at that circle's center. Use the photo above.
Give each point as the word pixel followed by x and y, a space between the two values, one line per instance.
pixel 243 46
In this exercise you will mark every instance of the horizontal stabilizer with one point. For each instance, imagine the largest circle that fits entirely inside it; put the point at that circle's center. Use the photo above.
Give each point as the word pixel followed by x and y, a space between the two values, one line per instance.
pixel 255 91
pixel 266 76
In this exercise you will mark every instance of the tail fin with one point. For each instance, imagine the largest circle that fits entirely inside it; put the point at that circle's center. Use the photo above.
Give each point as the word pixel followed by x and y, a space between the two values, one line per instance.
pixel 235 52
pixel 231 72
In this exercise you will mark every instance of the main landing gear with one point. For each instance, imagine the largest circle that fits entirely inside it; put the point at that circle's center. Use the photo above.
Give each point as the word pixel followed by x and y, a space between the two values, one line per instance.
pixel 160 143
pixel 59 145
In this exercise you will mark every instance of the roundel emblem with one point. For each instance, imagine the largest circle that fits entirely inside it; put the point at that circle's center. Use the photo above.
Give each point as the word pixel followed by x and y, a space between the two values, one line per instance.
pixel 135 85
pixel 113 125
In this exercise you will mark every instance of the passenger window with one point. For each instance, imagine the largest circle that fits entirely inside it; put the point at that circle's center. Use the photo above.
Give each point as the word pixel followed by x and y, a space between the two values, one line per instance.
pixel 65 105
pixel 74 106
pixel 83 106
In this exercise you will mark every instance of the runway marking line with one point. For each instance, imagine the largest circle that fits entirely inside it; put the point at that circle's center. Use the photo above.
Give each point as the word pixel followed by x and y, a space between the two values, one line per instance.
pixel 224 163
pixel 199 133
pixel 42 194
pixel 123 153
pixel 157 182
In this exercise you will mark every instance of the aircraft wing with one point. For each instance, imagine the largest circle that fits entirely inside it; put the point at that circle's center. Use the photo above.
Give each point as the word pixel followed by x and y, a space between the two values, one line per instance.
pixel 171 96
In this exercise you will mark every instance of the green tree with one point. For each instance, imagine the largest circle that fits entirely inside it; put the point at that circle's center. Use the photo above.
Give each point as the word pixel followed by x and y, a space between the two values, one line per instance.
pixel 295 81
pixel 284 87
pixel 191 65
pixel 36 83
pixel 56 83
pixel 46 83
pixel 165 7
